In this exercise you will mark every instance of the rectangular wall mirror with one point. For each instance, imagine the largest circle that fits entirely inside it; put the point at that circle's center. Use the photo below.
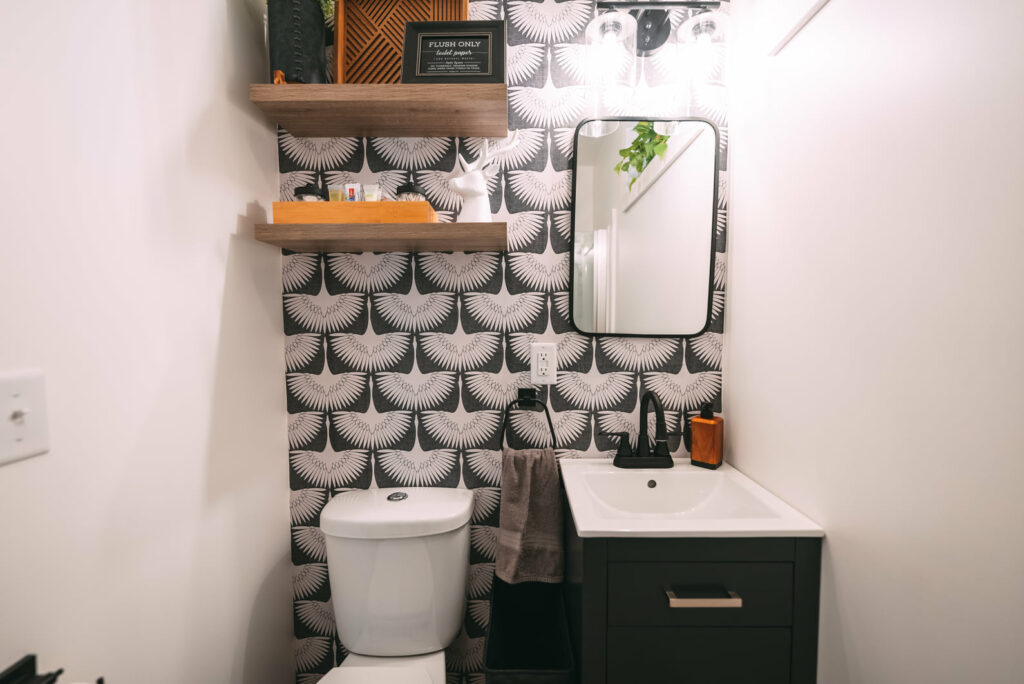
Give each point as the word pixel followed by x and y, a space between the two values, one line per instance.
pixel 645 193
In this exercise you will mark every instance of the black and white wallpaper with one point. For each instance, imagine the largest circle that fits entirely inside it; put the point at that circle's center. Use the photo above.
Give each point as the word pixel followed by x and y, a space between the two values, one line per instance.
pixel 398 365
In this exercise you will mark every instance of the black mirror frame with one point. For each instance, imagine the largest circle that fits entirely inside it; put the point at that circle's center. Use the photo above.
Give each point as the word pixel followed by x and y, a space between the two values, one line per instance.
pixel 714 223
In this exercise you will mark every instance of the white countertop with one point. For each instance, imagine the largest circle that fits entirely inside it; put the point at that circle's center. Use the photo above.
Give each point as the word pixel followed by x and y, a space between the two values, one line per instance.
pixel 684 501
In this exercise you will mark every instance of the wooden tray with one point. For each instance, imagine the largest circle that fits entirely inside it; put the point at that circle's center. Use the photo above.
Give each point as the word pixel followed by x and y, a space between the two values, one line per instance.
pixel 369 35
pixel 354 212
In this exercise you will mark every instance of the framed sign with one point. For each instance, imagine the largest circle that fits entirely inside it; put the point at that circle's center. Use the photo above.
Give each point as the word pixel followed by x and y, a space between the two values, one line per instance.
pixel 454 52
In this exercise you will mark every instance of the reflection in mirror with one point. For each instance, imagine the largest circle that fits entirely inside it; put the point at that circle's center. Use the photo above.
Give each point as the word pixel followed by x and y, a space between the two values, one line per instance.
pixel 644 201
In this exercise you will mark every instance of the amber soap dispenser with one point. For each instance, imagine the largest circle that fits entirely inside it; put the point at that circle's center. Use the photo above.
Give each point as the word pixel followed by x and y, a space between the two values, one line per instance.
pixel 706 435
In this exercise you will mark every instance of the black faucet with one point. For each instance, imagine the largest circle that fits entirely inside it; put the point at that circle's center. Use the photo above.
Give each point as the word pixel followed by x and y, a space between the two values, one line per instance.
pixel 643 449
pixel 643 458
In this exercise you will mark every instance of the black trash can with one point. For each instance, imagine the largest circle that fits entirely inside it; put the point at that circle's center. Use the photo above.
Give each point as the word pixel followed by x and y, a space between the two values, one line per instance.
pixel 528 637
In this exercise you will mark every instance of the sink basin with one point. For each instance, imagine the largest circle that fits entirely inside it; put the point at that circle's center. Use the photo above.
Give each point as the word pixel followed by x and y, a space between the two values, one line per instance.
pixel 684 501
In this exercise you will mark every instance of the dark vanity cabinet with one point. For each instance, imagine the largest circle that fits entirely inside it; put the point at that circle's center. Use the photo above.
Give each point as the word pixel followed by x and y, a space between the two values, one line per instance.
pixel 624 630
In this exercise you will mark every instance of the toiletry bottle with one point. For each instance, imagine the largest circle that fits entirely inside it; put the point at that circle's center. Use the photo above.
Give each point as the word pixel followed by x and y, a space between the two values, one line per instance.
pixel 706 430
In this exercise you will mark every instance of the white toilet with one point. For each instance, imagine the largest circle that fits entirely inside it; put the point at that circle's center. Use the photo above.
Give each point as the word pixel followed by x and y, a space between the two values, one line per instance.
pixel 398 561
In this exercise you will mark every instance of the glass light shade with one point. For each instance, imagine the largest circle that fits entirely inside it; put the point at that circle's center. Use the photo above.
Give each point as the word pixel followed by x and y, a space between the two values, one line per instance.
pixel 666 127
pixel 610 65
pixel 611 50
pixel 701 42
pixel 598 129
pixel 712 27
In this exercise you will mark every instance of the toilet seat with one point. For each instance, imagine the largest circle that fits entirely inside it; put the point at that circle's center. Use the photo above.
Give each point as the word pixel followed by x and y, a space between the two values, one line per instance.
pixel 376 675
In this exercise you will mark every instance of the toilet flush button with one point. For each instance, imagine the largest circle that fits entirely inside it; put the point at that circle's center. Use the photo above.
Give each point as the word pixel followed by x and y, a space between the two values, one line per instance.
pixel 23 425
pixel 398 496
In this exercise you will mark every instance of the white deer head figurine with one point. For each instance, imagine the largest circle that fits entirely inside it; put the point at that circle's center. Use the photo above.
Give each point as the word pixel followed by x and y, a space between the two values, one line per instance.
pixel 472 184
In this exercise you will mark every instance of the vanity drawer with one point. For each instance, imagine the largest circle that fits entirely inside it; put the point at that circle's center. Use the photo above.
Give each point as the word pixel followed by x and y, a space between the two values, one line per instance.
pixel 690 655
pixel 759 549
pixel 637 594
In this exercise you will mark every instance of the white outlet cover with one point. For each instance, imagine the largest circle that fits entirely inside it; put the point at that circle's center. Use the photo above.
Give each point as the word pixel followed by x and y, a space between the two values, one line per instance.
pixel 23 423
pixel 543 363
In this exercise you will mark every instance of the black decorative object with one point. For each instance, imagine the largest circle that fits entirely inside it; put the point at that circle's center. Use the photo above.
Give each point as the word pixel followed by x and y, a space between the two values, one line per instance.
pixel 318 189
pixel 24 672
pixel 410 192
pixel 298 41
pixel 454 52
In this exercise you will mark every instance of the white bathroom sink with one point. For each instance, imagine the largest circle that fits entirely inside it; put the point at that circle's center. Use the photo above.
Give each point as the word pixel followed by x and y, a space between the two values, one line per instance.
pixel 684 501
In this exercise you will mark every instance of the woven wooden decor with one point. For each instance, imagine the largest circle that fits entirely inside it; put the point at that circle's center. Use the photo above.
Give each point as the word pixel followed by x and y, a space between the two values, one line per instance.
pixel 369 34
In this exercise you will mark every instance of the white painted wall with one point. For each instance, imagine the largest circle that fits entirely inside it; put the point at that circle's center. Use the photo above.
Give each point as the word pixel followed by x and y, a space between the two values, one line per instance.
pixel 151 544
pixel 875 326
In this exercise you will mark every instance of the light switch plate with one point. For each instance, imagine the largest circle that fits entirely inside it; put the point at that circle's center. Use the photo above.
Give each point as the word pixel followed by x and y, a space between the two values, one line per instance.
pixel 23 425
pixel 543 363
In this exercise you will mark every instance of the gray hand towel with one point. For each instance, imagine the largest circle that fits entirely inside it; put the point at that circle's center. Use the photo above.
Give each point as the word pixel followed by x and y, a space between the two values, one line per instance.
pixel 530 520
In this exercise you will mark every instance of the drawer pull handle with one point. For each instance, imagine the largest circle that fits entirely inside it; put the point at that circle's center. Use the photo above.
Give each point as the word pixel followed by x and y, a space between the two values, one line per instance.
pixel 733 600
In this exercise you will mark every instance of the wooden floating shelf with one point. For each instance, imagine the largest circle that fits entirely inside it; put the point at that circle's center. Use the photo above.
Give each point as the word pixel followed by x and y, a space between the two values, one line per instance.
pixel 385 237
pixel 394 110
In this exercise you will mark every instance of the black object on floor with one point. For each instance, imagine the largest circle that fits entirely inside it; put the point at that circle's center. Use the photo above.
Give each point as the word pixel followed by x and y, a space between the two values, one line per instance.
pixel 24 672
pixel 528 637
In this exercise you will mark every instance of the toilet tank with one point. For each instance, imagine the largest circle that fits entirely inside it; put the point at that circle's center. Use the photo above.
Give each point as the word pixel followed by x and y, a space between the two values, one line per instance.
pixel 398 560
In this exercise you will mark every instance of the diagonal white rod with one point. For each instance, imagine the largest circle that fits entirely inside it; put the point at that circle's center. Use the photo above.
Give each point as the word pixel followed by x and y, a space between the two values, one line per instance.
pixel 798 27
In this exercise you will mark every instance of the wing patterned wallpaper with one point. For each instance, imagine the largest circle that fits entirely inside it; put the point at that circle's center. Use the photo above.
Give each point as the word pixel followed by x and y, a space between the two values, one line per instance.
pixel 399 365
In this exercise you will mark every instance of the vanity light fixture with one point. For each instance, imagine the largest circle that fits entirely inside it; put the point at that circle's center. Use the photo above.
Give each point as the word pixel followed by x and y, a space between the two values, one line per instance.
pixel 653 20
pixel 633 62
pixel 610 67
pixel 660 4
pixel 626 64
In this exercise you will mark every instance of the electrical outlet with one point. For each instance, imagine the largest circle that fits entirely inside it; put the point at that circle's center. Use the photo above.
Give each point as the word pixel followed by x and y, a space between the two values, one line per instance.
pixel 543 363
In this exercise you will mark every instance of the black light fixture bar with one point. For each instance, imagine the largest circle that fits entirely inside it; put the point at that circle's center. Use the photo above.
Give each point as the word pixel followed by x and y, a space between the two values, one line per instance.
pixel 657 4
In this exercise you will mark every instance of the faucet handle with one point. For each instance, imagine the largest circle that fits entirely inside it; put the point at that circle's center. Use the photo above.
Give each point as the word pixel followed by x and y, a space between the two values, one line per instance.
pixel 661 446
pixel 624 448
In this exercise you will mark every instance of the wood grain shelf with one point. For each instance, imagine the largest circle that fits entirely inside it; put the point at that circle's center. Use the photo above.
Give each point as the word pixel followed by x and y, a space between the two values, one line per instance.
pixel 402 110
pixel 385 237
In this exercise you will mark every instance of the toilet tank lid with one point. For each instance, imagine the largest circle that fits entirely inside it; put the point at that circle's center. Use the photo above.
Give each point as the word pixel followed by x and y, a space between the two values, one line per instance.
pixel 396 513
